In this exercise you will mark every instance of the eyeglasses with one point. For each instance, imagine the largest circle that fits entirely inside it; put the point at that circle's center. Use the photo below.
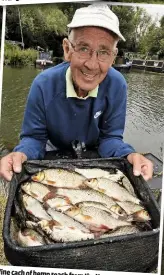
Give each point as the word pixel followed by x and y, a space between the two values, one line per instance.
pixel 85 52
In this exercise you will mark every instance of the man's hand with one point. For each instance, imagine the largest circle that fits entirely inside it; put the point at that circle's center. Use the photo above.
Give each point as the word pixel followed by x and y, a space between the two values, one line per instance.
pixel 11 163
pixel 141 165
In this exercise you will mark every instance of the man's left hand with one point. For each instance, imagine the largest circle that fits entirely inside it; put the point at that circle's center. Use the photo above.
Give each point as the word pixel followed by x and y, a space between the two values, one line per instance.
pixel 141 165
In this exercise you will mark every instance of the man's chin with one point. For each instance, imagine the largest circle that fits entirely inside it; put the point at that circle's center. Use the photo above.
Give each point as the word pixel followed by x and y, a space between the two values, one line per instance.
pixel 87 87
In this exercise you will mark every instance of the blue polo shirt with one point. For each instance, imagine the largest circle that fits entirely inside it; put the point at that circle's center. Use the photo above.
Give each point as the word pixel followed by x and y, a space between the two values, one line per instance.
pixel 51 115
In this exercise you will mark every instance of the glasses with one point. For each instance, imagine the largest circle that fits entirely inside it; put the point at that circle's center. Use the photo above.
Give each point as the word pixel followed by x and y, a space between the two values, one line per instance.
pixel 85 52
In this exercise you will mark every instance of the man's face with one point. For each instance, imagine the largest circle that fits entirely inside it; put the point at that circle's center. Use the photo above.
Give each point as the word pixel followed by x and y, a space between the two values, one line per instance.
pixel 87 73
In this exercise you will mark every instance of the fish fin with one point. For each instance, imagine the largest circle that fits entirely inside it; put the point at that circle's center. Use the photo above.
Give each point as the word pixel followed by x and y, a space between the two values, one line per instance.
pixel 34 195
pixel 101 190
pixel 50 195
pixel 87 217
pixel 97 230
pixel 53 223
pixel 51 182
pixel 71 227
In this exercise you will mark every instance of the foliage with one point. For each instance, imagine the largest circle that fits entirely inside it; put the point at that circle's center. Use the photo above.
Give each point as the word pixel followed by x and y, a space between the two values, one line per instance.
pixel 138 22
pixel 46 25
pixel 15 56
pixel 152 42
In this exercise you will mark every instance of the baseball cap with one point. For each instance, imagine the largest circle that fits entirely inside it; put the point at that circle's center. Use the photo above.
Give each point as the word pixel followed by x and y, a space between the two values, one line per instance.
pixel 98 15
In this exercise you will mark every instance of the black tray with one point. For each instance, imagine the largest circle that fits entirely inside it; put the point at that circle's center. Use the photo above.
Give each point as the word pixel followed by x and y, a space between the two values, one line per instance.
pixel 135 252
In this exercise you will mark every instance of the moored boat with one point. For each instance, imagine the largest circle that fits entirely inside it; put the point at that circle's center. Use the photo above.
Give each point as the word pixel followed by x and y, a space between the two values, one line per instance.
pixel 148 65
pixel 44 60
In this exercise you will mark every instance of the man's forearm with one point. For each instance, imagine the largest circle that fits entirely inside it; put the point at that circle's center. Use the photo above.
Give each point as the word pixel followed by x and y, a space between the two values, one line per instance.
pixel 114 147
pixel 32 148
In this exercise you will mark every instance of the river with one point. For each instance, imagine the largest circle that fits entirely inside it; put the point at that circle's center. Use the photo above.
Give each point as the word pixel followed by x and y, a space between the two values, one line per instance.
pixel 145 109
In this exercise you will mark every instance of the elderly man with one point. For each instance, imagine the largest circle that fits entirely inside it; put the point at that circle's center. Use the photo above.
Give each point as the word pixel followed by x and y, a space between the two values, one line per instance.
pixel 81 99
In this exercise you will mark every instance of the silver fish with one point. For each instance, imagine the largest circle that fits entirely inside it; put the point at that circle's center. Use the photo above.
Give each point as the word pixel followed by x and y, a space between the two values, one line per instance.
pixel 73 196
pixel 111 189
pixel 59 203
pixel 95 219
pixel 97 205
pixel 29 237
pixel 60 178
pixel 35 208
pixel 130 207
pixel 36 190
pixel 135 212
pixel 90 173
pixel 140 216
pixel 64 220
pixel 124 230
pixel 64 233
pixel 128 186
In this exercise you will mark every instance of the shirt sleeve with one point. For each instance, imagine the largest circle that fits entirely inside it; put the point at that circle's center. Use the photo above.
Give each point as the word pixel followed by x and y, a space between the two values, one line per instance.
pixel 34 135
pixel 112 126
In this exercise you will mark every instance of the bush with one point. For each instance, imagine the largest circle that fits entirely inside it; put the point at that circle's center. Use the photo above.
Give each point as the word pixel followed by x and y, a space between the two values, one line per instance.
pixel 17 57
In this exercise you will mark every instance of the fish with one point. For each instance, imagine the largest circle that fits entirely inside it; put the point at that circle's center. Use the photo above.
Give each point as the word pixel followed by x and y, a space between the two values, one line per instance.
pixel 99 206
pixel 64 233
pixel 99 173
pixel 59 203
pixel 111 189
pixel 34 207
pixel 34 225
pixel 36 190
pixel 63 220
pixel 135 212
pixel 128 186
pixel 95 219
pixel 60 178
pixel 140 216
pixel 75 196
pixel 29 237
pixel 124 230
pixel 130 207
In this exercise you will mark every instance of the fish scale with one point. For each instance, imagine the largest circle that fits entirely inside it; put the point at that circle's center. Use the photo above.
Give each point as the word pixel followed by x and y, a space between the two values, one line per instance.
pixel 60 178
pixel 64 220
pixel 111 189
pixel 95 219
pixel 65 233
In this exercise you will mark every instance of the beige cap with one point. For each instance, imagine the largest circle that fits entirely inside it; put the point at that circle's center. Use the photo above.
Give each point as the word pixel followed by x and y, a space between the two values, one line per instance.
pixel 98 15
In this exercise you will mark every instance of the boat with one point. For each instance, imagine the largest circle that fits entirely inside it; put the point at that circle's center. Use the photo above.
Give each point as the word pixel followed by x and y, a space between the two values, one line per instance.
pixel 148 65
pixel 125 68
pixel 122 64
pixel 44 60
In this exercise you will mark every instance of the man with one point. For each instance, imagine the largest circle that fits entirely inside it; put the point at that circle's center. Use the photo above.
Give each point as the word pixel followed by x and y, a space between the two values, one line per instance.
pixel 81 99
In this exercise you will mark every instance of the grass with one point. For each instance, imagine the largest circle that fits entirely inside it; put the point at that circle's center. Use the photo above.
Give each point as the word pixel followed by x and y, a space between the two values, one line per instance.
pixel 3 260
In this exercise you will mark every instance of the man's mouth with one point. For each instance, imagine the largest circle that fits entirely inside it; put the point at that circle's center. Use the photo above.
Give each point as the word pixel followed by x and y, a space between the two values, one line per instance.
pixel 89 76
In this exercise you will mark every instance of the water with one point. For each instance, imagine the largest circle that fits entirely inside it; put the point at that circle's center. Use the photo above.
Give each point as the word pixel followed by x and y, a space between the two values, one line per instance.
pixel 145 108
pixel 145 112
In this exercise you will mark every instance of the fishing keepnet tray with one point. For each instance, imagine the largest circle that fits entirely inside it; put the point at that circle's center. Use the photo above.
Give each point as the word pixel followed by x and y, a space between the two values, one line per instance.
pixel 135 252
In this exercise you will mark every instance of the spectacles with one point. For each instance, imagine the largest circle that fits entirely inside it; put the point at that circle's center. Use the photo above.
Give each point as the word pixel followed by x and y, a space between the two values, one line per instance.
pixel 85 52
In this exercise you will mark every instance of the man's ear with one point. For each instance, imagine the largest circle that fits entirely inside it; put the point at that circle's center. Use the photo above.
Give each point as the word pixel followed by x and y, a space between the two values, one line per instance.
pixel 115 55
pixel 67 50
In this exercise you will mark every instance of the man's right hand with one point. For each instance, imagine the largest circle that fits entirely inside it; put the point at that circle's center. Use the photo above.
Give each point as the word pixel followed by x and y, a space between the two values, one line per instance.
pixel 11 163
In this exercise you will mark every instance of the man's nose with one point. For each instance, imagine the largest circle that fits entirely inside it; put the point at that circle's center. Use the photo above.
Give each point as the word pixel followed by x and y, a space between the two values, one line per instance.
pixel 92 62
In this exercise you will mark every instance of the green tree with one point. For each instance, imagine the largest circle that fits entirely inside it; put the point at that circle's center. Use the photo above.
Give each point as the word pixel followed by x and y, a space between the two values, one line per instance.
pixel 152 41
pixel 133 24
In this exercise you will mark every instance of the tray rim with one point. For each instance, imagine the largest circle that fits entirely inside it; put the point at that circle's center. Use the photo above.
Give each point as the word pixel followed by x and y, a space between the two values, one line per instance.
pixel 78 244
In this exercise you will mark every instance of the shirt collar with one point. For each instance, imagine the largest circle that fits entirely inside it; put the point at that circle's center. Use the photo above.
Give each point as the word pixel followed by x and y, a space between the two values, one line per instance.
pixel 70 91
